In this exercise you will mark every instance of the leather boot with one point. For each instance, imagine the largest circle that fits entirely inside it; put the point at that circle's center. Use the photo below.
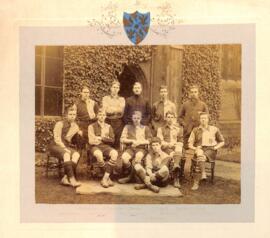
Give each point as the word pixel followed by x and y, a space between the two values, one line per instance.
pixel 128 178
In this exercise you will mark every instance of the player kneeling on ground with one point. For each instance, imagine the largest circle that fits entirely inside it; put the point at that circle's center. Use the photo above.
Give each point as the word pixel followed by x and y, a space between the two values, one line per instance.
pixel 62 148
pixel 101 138
pixel 205 140
pixel 155 173
pixel 135 139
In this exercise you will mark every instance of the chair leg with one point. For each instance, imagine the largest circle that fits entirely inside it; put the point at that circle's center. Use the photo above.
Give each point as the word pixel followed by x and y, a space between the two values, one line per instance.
pixel 212 172
pixel 192 168
pixel 47 166
pixel 59 168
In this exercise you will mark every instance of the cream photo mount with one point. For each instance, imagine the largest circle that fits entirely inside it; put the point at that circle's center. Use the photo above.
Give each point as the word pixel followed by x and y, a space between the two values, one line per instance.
pixel 243 34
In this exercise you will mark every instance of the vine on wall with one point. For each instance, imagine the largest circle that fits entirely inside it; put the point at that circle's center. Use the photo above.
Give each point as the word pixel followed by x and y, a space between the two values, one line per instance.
pixel 97 67
pixel 201 66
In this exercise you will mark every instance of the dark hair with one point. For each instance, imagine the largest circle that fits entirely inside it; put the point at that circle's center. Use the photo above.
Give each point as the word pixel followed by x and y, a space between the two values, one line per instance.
pixel 194 86
pixel 155 140
pixel 137 82
pixel 163 87
pixel 83 87
pixel 170 113
pixel 137 112
pixel 101 110
pixel 115 82
pixel 204 113
pixel 68 109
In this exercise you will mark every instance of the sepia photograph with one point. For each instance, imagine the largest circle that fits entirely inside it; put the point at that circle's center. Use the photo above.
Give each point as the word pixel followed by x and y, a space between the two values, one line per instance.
pixel 150 124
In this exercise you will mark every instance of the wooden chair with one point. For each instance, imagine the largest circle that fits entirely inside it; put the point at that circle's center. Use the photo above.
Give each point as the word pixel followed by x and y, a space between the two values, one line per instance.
pixel 53 164
pixel 209 168
pixel 57 164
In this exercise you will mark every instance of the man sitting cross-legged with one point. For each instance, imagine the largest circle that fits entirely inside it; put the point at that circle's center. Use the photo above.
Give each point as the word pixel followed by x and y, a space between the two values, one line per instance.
pixel 155 174
pixel 205 140
pixel 171 136
pixel 135 138
pixel 61 146
pixel 101 137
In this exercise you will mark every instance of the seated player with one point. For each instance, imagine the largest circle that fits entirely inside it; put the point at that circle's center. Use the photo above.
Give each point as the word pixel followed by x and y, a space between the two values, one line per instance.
pixel 62 148
pixel 205 140
pixel 171 137
pixel 101 139
pixel 156 171
pixel 135 138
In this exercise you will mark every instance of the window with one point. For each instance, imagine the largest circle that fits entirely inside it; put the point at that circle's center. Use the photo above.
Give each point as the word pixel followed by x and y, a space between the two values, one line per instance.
pixel 49 80
pixel 231 62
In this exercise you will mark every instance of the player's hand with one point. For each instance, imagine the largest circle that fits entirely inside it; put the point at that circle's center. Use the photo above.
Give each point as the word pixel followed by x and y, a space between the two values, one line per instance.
pixel 135 143
pixel 198 150
pixel 153 177
pixel 92 115
pixel 171 144
pixel 67 151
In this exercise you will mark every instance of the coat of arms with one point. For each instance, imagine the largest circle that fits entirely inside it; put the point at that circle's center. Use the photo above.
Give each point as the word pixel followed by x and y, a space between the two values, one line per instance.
pixel 136 25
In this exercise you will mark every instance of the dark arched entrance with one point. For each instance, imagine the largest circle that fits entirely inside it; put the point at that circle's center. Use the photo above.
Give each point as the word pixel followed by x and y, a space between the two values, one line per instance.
pixel 130 75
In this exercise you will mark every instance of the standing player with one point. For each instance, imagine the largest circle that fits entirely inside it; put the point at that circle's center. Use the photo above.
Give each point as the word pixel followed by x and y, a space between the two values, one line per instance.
pixel 189 117
pixel 160 108
pixel 114 106
pixel 137 103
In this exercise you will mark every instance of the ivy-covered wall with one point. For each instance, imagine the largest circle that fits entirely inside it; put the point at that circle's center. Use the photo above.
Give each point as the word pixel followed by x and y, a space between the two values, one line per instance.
pixel 98 66
pixel 44 132
pixel 201 66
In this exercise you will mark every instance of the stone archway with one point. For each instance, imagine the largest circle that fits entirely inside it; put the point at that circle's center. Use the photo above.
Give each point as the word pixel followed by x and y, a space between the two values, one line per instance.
pixel 130 75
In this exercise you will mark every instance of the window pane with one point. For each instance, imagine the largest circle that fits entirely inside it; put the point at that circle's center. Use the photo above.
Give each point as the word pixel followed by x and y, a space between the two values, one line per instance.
pixel 37 100
pixel 54 72
pixel 53 101
pixel 54 51
pixel 38 69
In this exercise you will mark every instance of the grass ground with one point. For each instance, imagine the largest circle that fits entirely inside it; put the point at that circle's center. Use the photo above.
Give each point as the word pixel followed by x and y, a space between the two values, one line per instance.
pixel 223 191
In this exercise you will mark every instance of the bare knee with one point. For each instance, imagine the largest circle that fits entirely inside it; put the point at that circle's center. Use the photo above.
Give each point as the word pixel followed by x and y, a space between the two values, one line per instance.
pixel 66 157
pixel 113 154
pixel 138 157
pixel 75 157
pixel 164 171
pixel 126 158
pixel 138 167
pixel 98 154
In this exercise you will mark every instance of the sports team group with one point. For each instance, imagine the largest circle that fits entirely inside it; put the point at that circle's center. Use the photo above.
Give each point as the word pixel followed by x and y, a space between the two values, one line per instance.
pixel 150 142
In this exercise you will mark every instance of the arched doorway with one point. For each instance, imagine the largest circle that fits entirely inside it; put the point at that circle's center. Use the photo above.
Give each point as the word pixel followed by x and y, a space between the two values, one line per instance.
pixel 130 75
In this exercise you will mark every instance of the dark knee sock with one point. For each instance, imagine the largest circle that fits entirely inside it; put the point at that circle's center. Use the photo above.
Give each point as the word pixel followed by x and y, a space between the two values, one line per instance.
pixel 182 167
pixel 108 168
pixel 74 166
pixel 68 169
